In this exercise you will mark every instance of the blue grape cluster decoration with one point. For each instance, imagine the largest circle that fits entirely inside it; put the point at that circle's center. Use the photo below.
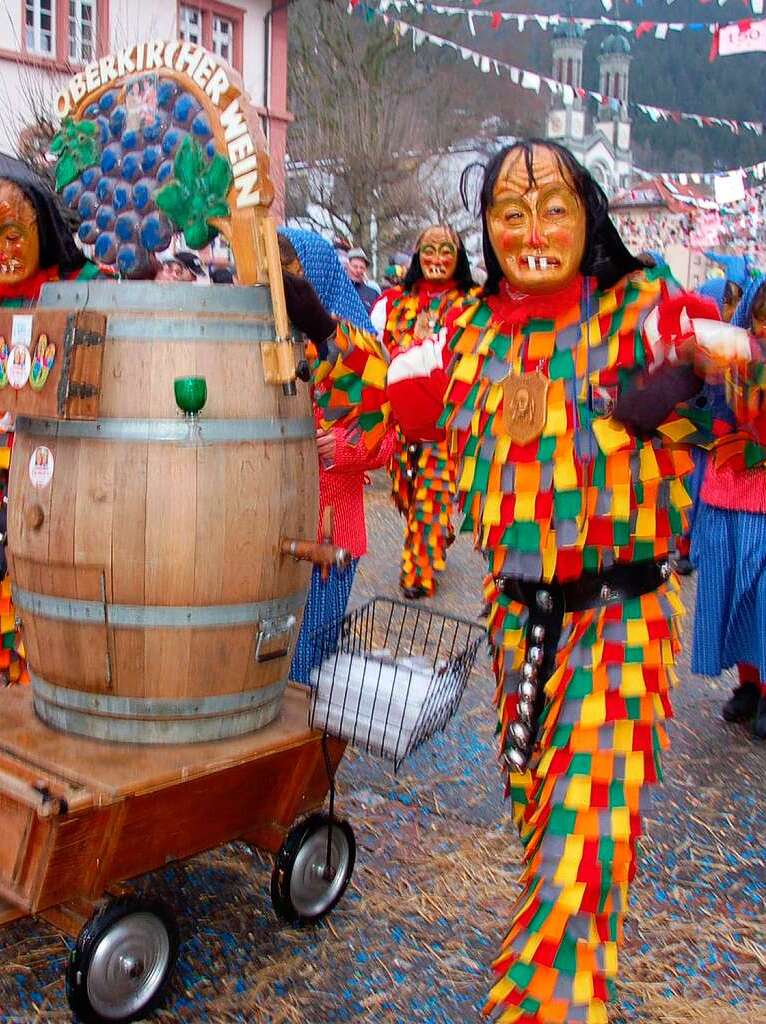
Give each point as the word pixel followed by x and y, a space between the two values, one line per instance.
pixel 134 179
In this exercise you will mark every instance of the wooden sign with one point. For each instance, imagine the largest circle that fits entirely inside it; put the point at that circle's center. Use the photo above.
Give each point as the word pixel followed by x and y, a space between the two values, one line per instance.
pixel 160 138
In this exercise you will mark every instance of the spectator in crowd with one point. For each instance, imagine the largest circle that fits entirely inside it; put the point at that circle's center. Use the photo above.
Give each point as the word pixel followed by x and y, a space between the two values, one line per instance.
pixel 194 265
pixel 222 275
pixel 357 268
pixel 173 269
pixel 728 548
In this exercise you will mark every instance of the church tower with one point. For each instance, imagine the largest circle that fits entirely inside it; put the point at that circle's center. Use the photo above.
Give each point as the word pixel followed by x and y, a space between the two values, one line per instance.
pixel 614 83
pixel 566 121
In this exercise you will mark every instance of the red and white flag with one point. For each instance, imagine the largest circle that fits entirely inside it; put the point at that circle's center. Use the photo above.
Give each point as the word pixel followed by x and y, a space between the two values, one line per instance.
pixel 744 37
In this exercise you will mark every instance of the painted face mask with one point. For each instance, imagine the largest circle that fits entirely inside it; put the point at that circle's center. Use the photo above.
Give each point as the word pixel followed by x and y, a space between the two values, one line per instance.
pixel 19 239
pixel 537 227
pixel 438 254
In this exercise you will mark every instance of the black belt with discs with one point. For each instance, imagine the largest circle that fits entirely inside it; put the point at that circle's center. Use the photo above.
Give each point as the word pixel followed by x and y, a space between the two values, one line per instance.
pixel 413 452
pixel 547 604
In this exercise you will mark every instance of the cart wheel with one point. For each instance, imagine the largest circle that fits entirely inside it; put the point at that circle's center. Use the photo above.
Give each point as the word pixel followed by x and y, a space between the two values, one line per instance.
pixel 122 959
pixel 301 890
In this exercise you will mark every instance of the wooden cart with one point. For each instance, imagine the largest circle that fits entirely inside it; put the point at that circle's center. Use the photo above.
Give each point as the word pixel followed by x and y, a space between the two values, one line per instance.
pixel 78 817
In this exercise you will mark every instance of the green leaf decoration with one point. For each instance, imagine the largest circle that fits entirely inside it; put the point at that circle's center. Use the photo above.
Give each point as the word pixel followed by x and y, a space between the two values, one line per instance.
pixel 77 146
pixel 218 176
pixel 196 194
pixel 197 234
pixel 172 201
pixel 189 165
pixel 67 169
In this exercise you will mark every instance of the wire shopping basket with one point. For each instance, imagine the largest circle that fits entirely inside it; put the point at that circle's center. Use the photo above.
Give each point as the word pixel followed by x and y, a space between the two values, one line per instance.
pixel 390 675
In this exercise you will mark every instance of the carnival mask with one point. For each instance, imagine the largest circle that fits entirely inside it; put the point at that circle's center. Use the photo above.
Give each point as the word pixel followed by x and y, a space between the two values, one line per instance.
pixel 537 227
pixel 19 239
pixel 438 254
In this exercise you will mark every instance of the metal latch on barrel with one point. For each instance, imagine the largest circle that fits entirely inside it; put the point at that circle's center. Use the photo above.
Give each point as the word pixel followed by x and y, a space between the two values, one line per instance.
pixel 79 388
pixel 76 389
pixel 82 336
pixel 274 638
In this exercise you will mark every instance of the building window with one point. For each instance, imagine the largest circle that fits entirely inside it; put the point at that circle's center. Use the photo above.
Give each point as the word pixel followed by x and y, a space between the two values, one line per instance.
pixel 217 26
pixel 223 37
pixel 82 30
pixel 39 20
pixel 190 24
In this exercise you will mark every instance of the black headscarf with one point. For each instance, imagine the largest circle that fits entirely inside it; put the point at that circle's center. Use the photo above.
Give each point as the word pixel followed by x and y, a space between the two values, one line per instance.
pixel 605 257
pixel 57 246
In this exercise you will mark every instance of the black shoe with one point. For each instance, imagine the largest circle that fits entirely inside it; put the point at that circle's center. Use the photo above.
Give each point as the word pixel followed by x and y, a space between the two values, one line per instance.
pixel 413 593
pixel 683 566
pixel 759 726
pixel 743 703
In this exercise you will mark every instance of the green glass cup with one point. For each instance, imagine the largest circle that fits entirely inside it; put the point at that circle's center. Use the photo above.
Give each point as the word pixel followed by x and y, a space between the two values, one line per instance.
pixel 191 394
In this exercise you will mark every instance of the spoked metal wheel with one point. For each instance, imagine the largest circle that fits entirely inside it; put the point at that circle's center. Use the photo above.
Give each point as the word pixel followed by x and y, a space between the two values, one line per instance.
pixel 305 885
pixel 123 958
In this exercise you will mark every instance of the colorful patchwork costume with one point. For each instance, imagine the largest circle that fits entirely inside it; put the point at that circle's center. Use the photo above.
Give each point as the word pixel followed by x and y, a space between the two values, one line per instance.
pixel 562 409
pixel 581 497
pixel 422 469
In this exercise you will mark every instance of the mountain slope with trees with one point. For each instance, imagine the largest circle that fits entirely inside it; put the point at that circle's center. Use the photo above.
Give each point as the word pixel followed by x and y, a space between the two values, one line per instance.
pixel 371 111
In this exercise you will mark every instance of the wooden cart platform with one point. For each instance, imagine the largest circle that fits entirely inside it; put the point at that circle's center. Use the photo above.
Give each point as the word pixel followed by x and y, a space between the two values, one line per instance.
pixel 78 817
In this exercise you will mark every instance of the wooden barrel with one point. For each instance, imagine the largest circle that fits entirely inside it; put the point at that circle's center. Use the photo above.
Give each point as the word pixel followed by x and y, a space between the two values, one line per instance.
pixel 155 604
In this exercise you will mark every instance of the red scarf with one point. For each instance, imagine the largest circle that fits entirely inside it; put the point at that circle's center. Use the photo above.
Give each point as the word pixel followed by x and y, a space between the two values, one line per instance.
pixel 432 288
pixel 30 287
pixel 517 307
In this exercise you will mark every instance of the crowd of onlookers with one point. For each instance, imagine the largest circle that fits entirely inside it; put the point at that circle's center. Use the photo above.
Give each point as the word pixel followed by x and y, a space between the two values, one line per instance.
pixel 189 267
pixel 741 226
pixel 652 234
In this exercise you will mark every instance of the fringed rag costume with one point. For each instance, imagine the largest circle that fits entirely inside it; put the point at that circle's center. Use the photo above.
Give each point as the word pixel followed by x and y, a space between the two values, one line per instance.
pixel 580 497
pixel 57 257
pixel 422 469
pixel 575 523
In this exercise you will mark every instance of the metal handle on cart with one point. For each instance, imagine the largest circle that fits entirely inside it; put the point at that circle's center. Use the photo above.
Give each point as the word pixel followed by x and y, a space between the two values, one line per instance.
pixel 38 797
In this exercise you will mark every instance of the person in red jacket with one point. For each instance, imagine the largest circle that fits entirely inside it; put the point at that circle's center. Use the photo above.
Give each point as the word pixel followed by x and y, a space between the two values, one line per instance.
pixel 344 461
pixel 422 470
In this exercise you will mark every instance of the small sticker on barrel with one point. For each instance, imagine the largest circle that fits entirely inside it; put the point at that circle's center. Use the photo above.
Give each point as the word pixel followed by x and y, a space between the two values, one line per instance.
pixel 41 467
pixel 19 366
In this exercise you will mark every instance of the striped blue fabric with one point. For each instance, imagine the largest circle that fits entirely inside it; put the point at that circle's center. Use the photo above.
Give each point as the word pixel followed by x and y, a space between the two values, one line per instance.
pixel 742 314
pixel 713 289
pixel 326 602
pixel 694 484
pixel 327 277
pixel 729 550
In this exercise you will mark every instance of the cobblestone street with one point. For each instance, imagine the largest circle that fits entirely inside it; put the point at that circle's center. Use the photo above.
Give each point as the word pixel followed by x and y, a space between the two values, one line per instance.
pixel 437 864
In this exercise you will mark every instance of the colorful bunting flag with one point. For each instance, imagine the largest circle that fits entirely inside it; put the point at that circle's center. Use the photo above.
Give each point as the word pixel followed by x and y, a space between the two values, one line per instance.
pixel 532 80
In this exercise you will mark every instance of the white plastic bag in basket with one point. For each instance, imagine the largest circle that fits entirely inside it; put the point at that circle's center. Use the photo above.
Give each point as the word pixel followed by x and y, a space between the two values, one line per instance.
pixel 370 700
